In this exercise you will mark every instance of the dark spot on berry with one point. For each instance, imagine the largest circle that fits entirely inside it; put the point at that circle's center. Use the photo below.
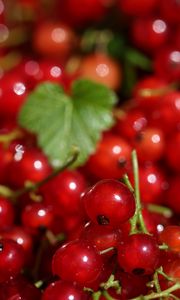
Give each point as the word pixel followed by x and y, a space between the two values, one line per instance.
pixel 1 247
pixel 138 271
pixel 102 220
pixel 139 137
pixel 121 162
pixel 42 229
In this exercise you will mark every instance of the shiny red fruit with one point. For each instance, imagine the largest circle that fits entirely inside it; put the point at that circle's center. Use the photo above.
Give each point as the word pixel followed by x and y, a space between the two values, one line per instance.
pixel 109 202
pixel 77 261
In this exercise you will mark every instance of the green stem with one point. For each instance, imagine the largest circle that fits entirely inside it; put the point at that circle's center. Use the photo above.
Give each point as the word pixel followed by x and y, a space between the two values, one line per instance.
pixel 137 218
pixel 128 183
pixel 9 137
pixel 163 247
pixel 7 192
pixel 106 250
pixel 165 211
pixel 111 283
pixel 162 294
pixel 156 282
pixel 107 296
pixel 96 295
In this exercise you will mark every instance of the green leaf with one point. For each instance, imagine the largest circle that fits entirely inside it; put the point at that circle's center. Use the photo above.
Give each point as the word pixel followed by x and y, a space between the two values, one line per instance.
pixel 138 59
pixel 62 122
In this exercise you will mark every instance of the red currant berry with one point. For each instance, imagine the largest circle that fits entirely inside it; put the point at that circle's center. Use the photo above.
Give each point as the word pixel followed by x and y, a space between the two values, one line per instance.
pixel 21 237
pixel 172 269
pixel 12 95
pixel 150 144
pixel 148 92
pixel 101 68
pixel 65 191
pixel 111 159
pixel 11 259
pixel 152 180
pixel 37 216
pixel 19 288
pixel 171 236
pixel 7 213
pixel 77 261
pixel 170 9
pixel 137 7
pixel 130 124
pixel 167 63
pixel 172 152
pixel 109 202
pixel 53 39
pixel 82 12
pixel 102 237
pixel 30 165
pixel 62 290
pixel 139 254
pixel 173 196
pixel 149 33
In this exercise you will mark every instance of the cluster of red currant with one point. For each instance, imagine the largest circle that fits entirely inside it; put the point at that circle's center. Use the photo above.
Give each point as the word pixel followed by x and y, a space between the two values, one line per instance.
pixel 108 229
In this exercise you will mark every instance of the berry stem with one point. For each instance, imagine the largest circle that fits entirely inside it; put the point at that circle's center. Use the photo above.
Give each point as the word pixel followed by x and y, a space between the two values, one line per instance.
pixel 163 247
pixel 107 296
pixel 128 183
pixel 163 294
pixel 111 283
pixel 165 211
pixel 9 137
pixel 156 282
pixel 96 295
pixel 137 219
pixel 106 250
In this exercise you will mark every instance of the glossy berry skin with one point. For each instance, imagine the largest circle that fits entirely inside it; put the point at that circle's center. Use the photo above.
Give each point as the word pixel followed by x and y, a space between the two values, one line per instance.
pixel 11 259
pixel 167 63
pixel 111 159
pixel 150 144
pixel 172 269
pixel 101 68
pixel 19 288
pixel 172 153
pixel 30 165
pixel 62 290
pixel 139 254
pixel 171 237
pixel 148 92
pixel 37 216
pixel 172 195
pixel 131 123
pixel 109 202
pixel 132 285
pixel 152 184
pixel 77 261
pixel 170 10
pixel 64 191
pixel 82 12
pixel 6 213
pixel 35 72
pixel 167 113
pixel 13 94
pixel 155 222
pixel 102 237
pixel 149 33
pixel 137 7
pixel 20 236
pixel 54 39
